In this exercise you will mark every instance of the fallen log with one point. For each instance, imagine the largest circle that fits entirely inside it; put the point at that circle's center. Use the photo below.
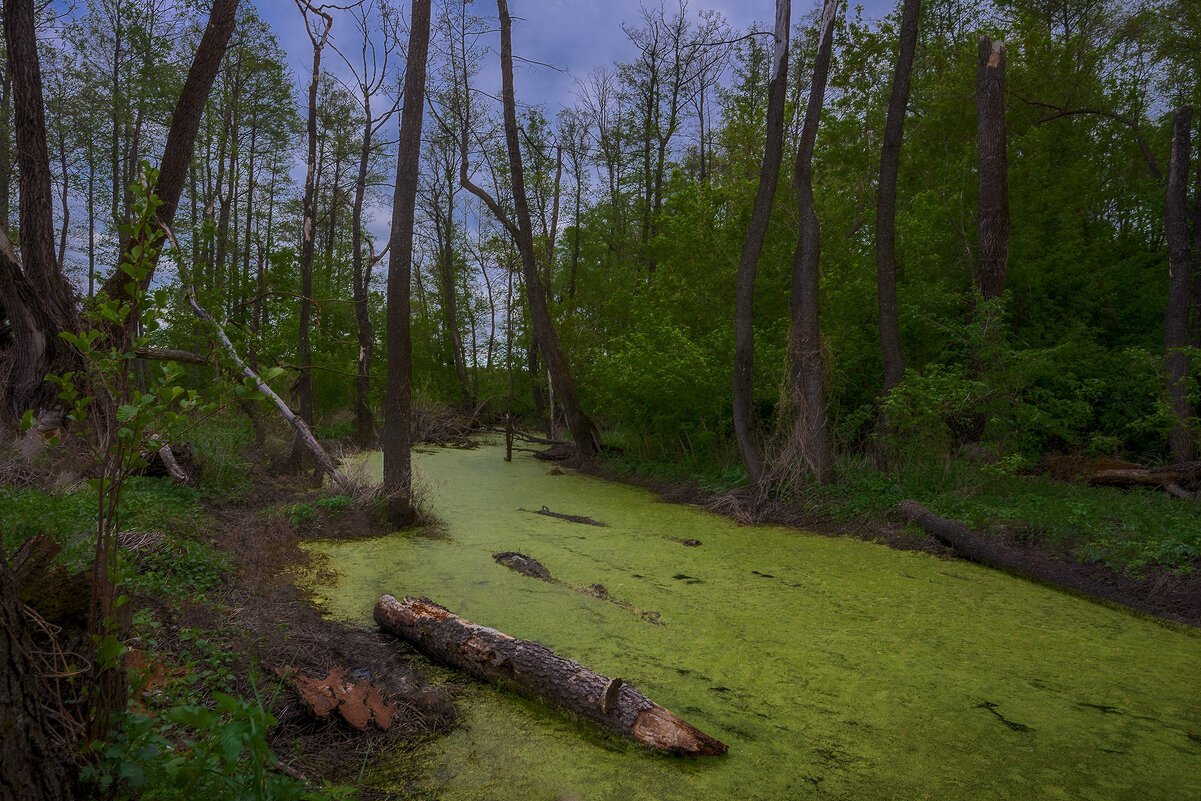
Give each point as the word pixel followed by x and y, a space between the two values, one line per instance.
pixel 492 655
pixel 971 546
pixel 1181 475
pixel 560 515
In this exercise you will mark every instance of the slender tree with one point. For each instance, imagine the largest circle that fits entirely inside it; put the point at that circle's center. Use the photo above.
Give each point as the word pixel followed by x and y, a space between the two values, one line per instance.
pixel 398 405
pixel 745 427
pixel 808 445
pixel 582 428
pixel 1181 440
pixel 992 169
pixel 318 36
pixel 886 200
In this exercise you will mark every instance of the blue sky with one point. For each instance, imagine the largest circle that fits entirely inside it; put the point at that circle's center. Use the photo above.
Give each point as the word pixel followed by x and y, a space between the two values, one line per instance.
pixel 572 35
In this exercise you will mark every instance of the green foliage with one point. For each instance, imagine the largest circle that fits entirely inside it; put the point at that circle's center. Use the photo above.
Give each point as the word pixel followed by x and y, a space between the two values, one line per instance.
pixel 192 751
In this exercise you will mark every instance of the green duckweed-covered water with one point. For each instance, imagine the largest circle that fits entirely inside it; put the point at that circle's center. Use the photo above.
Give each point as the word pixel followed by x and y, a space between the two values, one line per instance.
pixel 833 668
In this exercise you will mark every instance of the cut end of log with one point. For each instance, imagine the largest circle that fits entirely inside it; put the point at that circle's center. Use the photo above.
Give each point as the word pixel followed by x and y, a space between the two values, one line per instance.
pixel 664 730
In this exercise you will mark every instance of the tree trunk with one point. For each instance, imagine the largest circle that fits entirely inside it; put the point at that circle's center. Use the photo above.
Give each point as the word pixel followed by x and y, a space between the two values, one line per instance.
pixel 745 426
pixel 32 767
pixel 992 169
pixel 37 298
pixel 808 444
pixel 185 122
pixel 398 405
pixel 364 420
pixel 582 428
pixel 493 656
pixel 886 200
pixel 308 231
pixel 1181 441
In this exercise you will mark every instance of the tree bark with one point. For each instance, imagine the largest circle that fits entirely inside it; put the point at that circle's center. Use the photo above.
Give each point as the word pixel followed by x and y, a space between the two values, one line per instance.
pixel 398 405
pixel 36 296
pixel 364 420
pixel 992 169
pixel 582 428
pixel 32 767
pixel 1181 441
pixel 886 200
pixel 745 426
pixel 493 656
pixel 808 444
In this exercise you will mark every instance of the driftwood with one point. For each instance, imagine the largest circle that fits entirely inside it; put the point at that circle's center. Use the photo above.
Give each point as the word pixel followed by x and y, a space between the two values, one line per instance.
pixel 973 547
pixel 491 655
pixel 570 518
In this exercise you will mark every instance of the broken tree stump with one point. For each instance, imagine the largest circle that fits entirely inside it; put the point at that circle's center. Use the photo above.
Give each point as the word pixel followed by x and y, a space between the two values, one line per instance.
pixel 492 655
pixel 356 702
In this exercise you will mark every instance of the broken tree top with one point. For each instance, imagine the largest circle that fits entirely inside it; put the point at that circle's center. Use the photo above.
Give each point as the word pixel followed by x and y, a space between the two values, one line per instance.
pixel 490 654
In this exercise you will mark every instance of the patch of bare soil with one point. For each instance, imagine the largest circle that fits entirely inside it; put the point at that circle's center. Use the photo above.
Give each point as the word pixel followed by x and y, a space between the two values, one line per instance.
pixel 274 625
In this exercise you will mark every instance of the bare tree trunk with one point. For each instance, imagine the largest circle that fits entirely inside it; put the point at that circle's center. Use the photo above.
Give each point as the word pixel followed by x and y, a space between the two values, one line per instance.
pixel 993 169
pixel 582 428
pixel 886 201
pixel 364 420
pixel 6 153
pixel 446 263
pixel 398 405
pixel 304 382
pixel 808 444
pixel 745 426
pixel 1180 271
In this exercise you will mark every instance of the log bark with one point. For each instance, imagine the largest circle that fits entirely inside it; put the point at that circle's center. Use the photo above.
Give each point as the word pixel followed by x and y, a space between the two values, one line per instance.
pixel 1182 474
pixel 491 655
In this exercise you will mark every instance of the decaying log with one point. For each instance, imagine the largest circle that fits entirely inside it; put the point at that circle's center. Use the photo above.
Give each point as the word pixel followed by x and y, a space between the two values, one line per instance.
pixel 167 355
pixel 1182 475
pixel 570 518
pixel 525 565
pixel 164 461
pixel 973 547
pixel 491 655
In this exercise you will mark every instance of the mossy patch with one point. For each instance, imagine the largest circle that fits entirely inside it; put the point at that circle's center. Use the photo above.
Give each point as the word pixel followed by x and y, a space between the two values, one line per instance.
pixel 833 668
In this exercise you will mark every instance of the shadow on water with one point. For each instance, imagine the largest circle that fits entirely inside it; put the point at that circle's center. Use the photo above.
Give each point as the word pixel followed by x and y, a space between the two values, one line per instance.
pixel 841 678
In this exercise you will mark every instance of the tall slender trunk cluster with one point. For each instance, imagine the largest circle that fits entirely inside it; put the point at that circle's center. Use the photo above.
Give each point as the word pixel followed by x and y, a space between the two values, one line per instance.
pixel 809 442
pixel 745 427
pixel 1181 440
pixel 398 403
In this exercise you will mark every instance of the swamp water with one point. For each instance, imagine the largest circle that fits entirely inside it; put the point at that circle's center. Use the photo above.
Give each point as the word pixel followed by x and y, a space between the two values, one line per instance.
pixel 833 668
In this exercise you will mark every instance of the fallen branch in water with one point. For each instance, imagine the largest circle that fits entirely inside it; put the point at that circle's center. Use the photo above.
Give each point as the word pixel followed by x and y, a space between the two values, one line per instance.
pixel 492 655
pixel 571 518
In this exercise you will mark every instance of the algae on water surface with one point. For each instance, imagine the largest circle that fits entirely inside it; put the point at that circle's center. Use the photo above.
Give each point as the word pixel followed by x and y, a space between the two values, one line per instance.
pixel 833 668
